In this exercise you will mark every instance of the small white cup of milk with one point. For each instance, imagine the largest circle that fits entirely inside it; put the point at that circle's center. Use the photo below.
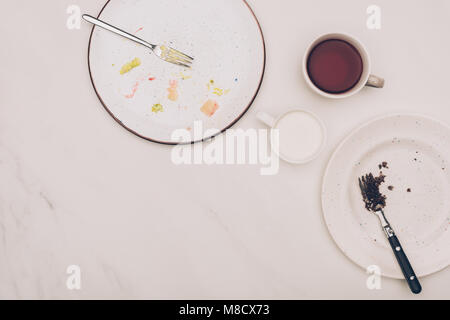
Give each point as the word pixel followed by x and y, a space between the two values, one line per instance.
pixel 300 135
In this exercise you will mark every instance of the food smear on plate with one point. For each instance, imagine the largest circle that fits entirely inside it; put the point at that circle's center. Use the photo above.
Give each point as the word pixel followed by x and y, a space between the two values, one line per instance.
pixel 220 92
pixel 127 67
pixel 173 94
pixel 209 108
pixel 133 91
pixel 183 76
pixel 136 86
pixel 140 29
pixel 157 107
pixel 216 90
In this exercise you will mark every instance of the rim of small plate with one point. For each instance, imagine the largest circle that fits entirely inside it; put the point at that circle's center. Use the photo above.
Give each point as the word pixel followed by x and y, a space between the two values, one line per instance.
pixel 194 141
pixel 326 172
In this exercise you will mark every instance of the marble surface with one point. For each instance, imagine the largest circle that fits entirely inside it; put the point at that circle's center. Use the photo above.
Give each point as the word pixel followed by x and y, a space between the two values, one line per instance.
pixel 78 189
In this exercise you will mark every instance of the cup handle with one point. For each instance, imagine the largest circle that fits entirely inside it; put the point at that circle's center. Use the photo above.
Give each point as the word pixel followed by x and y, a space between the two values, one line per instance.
pixel 375 82
pixel 266 118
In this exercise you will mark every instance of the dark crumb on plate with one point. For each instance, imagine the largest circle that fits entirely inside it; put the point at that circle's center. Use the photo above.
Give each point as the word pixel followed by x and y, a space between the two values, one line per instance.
pixel 384 164
pixel 391 188
pixel 408 190
pixel 370 190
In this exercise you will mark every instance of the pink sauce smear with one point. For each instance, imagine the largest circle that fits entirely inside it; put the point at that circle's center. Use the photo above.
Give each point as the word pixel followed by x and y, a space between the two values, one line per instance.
pixel 133 91
pixel 173 94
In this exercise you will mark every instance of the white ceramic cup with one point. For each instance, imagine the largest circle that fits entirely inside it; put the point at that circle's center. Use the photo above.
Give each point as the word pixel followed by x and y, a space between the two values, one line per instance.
pixel 367 79
pixel 318 128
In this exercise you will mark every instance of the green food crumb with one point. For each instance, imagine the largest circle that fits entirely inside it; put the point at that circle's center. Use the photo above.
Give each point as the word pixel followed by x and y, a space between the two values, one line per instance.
pixel 127 67
pixel 157 108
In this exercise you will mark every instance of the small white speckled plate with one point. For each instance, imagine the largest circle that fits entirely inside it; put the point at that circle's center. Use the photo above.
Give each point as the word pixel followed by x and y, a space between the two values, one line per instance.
pixel 223 36
pixel 417 150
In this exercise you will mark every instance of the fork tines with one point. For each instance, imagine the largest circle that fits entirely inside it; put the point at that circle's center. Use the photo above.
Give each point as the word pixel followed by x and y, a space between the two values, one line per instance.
pixel 176 57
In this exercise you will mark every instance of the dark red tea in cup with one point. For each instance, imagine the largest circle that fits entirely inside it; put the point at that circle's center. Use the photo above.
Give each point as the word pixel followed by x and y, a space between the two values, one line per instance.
pixel 335 66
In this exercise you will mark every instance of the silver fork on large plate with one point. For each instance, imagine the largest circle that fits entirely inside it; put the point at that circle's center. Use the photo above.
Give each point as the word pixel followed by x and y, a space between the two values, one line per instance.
pixel 161 51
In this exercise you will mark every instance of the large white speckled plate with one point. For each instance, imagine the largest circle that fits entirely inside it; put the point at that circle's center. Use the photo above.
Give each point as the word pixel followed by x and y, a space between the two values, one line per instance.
pixel 223 36
pixel 417 150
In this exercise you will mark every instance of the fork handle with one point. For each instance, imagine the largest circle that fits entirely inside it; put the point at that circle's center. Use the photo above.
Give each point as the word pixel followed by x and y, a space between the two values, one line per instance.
pixel 406 267
pixel 118 31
